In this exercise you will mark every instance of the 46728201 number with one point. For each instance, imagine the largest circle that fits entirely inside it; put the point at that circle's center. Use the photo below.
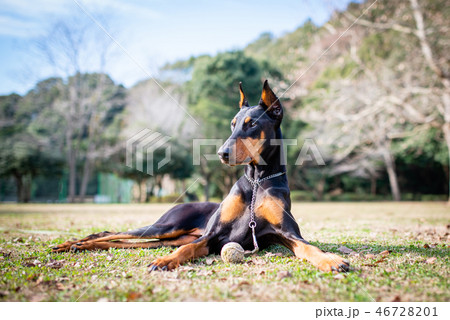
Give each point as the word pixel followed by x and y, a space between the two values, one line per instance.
pixel 407 311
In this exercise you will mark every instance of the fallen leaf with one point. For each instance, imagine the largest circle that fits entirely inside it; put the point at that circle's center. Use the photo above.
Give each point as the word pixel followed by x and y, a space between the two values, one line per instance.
pixel 132 296
pixel 55 264
pixel 259 261
pixel 278 254
pixel 284 274
pixel 380 260
pixel 209 261
pixel 271 254
pixel 37 298
pixel 431 260
pixel 102 300
pixel 339 276
pixel 389 270
pixel 3 293
pixel 374 264
pixel 396 299
pixel 206 273
pixel 185 269
pixel 370 256
pixel 241 284
pixel 345 250
pixel 33 263
pixel 61 279
pixel 384 253
pixel 60 286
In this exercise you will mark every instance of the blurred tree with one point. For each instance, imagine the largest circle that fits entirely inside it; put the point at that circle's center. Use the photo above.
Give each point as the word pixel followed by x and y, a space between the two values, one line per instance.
pixel 423 30
pixel 28 131
pixel 69 47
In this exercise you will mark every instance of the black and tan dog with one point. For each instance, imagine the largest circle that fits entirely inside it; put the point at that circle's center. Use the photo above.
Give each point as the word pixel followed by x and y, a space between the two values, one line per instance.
pixel 260 199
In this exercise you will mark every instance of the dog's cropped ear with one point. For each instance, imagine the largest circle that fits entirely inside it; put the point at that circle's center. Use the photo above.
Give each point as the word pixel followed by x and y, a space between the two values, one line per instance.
pixel 243 100
pixel 270 102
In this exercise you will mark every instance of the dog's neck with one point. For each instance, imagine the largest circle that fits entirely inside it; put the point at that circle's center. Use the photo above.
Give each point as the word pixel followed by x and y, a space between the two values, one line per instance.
pixel 272 156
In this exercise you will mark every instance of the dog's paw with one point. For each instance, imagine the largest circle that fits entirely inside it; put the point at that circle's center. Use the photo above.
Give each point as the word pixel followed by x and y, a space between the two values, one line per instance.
pixel 64 247
pixel 163 264
pixel 333 262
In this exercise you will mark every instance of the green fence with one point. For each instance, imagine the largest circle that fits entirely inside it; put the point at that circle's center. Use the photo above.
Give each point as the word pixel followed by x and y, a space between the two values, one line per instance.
pixel 112 189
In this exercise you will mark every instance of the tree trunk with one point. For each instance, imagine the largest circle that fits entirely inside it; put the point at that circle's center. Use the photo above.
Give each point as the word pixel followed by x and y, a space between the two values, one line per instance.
pixel 319 189
pixel 207 184
pixel 373 185
pixel 139 183
pixel 85 179
pixel 444 76
pixel 19 187
pixel 27 188
pixel 390 168
pixel 143 189
pixel 72 176
pixel 446 130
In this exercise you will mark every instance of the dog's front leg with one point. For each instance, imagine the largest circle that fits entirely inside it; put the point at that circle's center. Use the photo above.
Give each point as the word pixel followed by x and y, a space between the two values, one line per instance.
pixel 289 235
pixel 196 249
pixel 325 261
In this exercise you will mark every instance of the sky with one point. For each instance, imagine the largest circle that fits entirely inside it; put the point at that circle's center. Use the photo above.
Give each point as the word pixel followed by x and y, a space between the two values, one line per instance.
pixel 146 33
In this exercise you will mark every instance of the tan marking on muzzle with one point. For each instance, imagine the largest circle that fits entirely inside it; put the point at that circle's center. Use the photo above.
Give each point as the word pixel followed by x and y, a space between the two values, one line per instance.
pixel 248 148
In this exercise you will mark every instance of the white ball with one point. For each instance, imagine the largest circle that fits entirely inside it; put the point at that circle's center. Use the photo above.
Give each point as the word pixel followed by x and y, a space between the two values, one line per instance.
pixel 232 252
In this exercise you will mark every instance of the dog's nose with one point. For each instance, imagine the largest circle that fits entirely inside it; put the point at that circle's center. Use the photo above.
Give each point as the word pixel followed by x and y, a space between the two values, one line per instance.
pixel 224 154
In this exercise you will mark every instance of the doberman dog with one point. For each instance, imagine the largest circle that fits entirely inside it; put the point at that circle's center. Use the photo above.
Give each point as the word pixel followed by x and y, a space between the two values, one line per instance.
pixel 255 213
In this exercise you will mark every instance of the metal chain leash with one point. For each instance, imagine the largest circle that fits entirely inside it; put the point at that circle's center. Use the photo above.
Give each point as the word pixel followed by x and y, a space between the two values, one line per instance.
pixel 252 224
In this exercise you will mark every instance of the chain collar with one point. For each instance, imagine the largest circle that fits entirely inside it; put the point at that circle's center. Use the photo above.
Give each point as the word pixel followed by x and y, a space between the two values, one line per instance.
pixel 252 224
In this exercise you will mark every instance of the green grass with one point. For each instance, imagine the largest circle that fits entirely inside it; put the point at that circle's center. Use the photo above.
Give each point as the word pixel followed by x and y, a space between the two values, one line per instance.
pixel 412 232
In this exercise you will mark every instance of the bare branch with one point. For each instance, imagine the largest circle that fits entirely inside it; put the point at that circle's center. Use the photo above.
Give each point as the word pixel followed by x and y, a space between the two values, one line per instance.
pixel 376 25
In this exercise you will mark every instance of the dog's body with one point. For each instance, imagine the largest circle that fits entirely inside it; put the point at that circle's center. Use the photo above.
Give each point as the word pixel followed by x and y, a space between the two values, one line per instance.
pixel 203 228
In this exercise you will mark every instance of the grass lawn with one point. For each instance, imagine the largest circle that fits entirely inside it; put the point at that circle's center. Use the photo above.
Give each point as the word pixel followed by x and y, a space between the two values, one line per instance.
pixel 398 251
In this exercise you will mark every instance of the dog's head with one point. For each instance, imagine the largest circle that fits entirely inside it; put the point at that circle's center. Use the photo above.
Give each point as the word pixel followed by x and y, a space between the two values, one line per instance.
pixel 252 128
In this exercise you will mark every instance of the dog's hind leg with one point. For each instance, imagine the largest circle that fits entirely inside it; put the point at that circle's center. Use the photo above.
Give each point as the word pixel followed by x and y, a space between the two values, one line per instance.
pixel 186 219
pixel 105 245
pixel 90 237
pixel 165 236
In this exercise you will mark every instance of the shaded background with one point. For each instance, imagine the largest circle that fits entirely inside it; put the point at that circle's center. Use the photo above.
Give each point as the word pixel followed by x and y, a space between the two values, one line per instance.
pixel 372 92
